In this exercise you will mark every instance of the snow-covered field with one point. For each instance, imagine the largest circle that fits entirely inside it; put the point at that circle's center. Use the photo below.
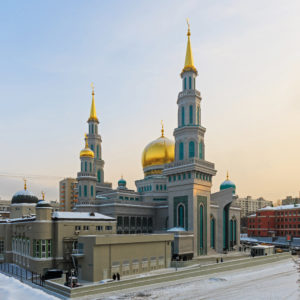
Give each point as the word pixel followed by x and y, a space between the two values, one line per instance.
pixel 276 281
pixel 271 281
pixel 13 289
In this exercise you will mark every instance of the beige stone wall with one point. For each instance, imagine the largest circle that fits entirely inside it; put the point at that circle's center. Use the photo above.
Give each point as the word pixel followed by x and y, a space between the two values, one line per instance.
pixel 123 254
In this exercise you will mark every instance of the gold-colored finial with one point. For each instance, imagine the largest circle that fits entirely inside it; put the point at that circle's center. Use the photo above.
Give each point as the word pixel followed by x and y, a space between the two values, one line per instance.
pixel 93 114
pixel 188 23
pixel 86 141
pixel 227 176
pixel 43 195
pixel 189 60
pixel 162 128
pixel 25 184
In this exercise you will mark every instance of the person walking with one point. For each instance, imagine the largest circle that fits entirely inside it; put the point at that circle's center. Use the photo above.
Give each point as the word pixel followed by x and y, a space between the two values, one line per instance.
pixel 118 276
pixel 221 259
pixel 114 276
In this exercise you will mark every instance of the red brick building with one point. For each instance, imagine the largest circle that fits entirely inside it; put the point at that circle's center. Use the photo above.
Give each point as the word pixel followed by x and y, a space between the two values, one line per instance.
pixel 275 221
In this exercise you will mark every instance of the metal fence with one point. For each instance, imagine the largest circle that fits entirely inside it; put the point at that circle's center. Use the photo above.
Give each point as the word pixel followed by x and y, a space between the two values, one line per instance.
pixel 21 273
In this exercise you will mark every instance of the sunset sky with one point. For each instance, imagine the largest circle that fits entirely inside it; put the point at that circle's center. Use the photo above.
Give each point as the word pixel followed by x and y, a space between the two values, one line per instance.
pixel 248 58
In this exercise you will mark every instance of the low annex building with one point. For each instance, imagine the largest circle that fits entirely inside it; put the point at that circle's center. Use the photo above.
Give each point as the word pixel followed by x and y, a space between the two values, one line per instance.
pixel 50 239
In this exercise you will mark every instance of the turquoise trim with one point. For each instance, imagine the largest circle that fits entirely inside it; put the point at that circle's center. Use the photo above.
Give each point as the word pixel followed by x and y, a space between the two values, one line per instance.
pixel 191 149
pixel 181 151
pixel 191 114
pixel 201 223
pixel 212 233
pixel 183 200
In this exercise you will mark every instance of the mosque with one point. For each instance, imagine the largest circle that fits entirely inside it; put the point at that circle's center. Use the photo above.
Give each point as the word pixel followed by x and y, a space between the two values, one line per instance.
pixel 175 193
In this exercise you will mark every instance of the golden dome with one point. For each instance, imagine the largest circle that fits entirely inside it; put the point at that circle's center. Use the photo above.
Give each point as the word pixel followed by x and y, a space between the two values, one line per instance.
pixel 87 152
pixel 160 151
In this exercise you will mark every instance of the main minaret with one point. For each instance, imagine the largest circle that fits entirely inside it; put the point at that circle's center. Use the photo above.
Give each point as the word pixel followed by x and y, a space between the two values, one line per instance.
pixel 190 175
pixel 94 141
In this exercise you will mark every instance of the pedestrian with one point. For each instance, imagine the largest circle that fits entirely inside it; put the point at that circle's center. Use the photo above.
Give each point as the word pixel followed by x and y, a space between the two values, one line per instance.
pixel 217 260
pixel 221 259
pixel 114 276
pixel 118 276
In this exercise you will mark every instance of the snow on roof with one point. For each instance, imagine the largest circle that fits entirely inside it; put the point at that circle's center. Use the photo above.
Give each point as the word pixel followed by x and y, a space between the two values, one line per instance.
pixel 176 229
pixel 281 207
pixel 80 215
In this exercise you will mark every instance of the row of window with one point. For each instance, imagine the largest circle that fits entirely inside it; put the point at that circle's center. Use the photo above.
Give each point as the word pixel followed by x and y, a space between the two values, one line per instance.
pixel 190 175
pixel 147 188
pixel 93 128
pixel 85 191
pixel 191 149
pixel 191 116
pixel 1 247
pixel 42 248
pixel 134 221
pixel 87 227
pixel 129 198
pixel 21 246
pixel 187 83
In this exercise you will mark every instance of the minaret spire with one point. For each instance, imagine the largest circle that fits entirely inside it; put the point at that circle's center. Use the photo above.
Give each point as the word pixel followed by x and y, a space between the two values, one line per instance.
pixel 189 60
pixel 162 129
pixel 93 115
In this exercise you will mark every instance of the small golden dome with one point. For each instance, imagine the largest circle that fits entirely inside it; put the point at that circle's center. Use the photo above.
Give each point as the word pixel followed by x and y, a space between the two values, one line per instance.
pixel 87 152
pixel 160 151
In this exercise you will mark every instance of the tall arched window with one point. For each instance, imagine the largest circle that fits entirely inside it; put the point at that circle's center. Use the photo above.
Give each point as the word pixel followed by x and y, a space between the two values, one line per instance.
pixel 191 149
pixel 201 229
pixel 191 114
pixel 90 167
pixel 190 82
pixel 99 176
pixel 198 115
pixel 92 128
pixel 92 147
pixel 85 166
pixel 182 116
pixel 184 83
pixel 80 191
pixel 181 216
pixel 98 152
pixel 212 233
pixel 92 191
pixel 85 191
pixel 234 232
pixel 201 150
pixel 81 166
pixel 181 151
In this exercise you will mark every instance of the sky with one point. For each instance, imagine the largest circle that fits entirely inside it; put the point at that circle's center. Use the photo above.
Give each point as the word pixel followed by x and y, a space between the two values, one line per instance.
pixel 248 60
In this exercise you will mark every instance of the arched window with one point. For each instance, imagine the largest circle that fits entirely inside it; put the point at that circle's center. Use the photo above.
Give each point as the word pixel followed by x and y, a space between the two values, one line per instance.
pixel 92 147
pixel 96 129
pixel 212 233
pixel 201 229
pixel 201 150
pixel 181 151
pixel 191 149
pixel 191 114
pixel 85 166
pixel 198 115
pixel 184 83
pixel 92 128
pixel 85 191
pixel 234 232
pixel 190 82
pixel 80 191
pixel 81 166
pixel 180 213
pixel 98 151
pixel 182 116
pixel 92 191
pixel 90 167
pixel 99 176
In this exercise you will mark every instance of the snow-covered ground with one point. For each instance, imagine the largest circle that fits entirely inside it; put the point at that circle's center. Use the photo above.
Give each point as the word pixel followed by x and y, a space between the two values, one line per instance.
pixel 13 289
pixel 272 281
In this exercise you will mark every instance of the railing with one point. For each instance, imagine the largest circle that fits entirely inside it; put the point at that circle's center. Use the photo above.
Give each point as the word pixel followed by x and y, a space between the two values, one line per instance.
pixel 189 93
pixel 190 161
